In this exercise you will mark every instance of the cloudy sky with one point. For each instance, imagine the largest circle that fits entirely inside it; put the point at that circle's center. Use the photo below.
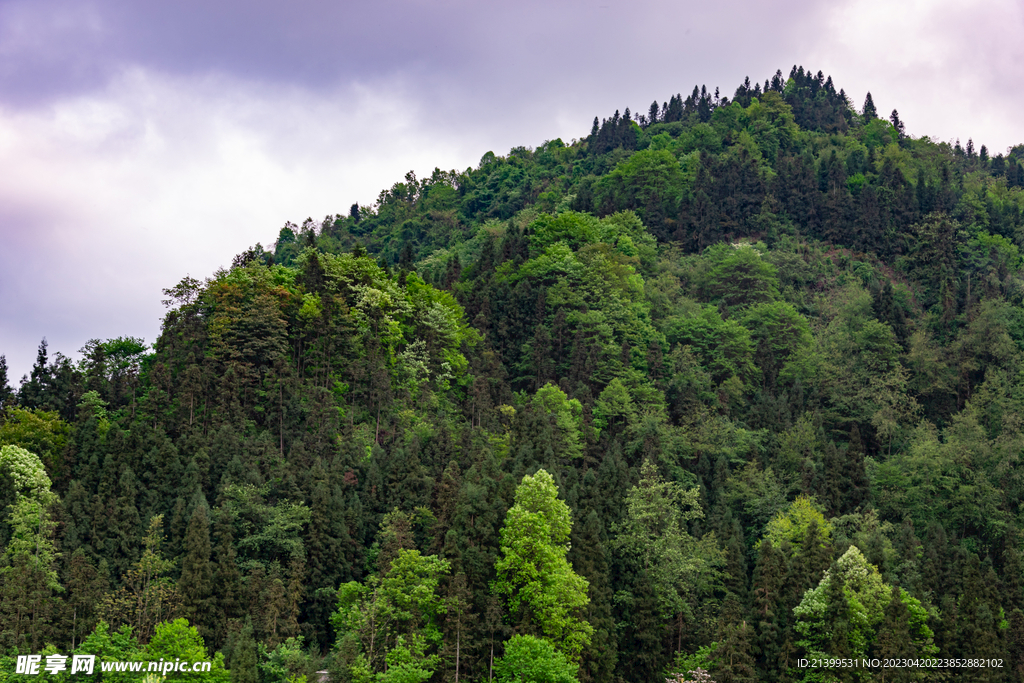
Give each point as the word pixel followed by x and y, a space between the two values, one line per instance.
pixel 141 141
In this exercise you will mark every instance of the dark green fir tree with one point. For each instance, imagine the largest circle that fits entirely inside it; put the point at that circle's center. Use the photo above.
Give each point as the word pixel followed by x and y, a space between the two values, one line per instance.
pixel 195 587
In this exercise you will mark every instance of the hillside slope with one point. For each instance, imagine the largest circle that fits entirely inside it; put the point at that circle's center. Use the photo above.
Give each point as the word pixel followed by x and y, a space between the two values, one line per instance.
pixel 807 321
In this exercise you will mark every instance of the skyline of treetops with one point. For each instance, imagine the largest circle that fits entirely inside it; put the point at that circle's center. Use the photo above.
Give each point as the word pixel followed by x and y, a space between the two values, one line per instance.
pixel 727 385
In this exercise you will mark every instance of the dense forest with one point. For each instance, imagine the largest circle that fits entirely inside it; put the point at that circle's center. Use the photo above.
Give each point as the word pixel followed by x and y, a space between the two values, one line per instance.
pixel 720 387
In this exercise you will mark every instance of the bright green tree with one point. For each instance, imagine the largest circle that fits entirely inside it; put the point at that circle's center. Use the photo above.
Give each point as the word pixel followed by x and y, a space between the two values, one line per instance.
pixel 842 615
pixel 118 646
pixel 792 524
pixel 174 640
pixel 614 407
pixel 740 276
pixel 529 659
pixel 778 332
pixel 388 629
pixel 564 415
pixel 38 431
pixel 534 576
pixel 724 346
pixel 28 578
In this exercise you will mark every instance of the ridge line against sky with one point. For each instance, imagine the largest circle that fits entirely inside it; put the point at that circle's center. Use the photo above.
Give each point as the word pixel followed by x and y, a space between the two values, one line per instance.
pixel 143 141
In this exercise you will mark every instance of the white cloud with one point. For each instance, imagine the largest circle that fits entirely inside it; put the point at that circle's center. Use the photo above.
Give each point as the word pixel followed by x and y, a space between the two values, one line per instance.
pixel 108 198
pixel 950 67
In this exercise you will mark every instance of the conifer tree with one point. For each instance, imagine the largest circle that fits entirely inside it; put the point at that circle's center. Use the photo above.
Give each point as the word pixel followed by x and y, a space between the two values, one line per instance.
pixel 35 392
pixel 652 115
pixel 1012 575
pixel 869 108
pixel 733 654
pixel 226 580
pixel 815 553
pixel 296 582
pixel 6 393
pixel 459 624
pixel 1015 646
pixel 977 628
pixel 894 639
pixel 243 656
pixel 838 204
pixel 908 547
pixel 119 529
pixel 395 536
pixel 147 595
pixel 788 657
pixel 831 492
pixel 86 586
pixel 768 606
pixel 935 562
pixel 735 575
pixel 195 587
pixel 854 475
pixel 324 558
pixel 643 653
pixel 897 124
pixel 837 620
pixel 589 556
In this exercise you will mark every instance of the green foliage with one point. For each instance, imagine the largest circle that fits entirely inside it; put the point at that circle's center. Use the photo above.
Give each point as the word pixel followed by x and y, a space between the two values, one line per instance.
pixel 195 585
pixel 173 640
pixel 37 431
pixel 778 332
pixel 243 656
pixel 792 524
pixel 533 575
pixel 388 629
pixel 32 540
pixel 724 346
pixel 28 577
pixel 265 532
pixel 565 414
pixel 614 406
pixel 571 228
pixel 740 276
pixel 28 569
pixel 148 596
pixel 529 659
pixel 679 567
pixel 118 646
pixel 649 182
pixel 28 475
pixel 863 600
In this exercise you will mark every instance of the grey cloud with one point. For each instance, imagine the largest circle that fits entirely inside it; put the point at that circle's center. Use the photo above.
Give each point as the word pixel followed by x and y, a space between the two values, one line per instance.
pixel 491 50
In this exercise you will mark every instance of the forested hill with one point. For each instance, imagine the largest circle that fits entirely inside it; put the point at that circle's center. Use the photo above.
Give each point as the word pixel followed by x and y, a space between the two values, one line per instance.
pixel 725 385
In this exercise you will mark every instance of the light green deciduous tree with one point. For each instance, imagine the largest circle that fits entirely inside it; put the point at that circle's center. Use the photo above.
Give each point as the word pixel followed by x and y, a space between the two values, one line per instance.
pixel 534 576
